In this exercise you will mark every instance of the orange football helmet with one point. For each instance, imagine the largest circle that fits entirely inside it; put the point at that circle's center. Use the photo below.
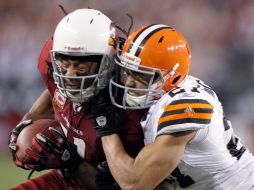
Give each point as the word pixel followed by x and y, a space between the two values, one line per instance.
pixel 158 51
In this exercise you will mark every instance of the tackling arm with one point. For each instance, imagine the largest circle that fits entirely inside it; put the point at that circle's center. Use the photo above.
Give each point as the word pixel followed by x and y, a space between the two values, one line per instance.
pixel 153 163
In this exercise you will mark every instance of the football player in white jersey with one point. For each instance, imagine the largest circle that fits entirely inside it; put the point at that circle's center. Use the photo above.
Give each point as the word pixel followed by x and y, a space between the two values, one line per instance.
pixel 186 132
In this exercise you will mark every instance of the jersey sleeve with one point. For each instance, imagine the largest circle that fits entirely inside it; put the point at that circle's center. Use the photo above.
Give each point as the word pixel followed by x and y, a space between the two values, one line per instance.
pixel 185 114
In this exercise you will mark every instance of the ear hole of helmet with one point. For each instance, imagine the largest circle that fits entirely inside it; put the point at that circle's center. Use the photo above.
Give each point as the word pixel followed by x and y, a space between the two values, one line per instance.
pixel 176 79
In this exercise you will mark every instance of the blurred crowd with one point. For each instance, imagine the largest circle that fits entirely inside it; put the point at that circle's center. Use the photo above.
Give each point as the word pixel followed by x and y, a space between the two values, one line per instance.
pixel 221 34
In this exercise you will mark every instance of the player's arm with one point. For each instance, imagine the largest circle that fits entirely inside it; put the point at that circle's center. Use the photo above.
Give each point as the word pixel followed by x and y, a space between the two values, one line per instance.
pixel 41 108
pixel 153 164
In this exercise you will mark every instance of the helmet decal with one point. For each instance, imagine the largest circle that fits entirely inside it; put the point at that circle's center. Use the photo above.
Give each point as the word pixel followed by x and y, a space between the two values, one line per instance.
pixel 143 37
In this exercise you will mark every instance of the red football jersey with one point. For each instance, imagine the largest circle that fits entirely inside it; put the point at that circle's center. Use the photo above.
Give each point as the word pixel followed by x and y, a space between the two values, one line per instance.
pixel 78 122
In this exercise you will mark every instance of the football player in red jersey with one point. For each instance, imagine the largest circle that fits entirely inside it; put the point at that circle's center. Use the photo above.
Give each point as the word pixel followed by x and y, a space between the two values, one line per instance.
pixel 75 66
pixel 81 54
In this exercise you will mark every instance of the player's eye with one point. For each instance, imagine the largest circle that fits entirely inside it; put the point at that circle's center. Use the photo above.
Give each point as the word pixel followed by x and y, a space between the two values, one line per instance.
pixel 123 76
pixel 142 77
pixel 82 73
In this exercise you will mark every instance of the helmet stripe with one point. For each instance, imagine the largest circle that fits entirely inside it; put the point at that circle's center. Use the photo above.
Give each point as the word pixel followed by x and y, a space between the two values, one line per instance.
pixel 135 38
pixel 146 39
pixel 143 36
pixel 140 36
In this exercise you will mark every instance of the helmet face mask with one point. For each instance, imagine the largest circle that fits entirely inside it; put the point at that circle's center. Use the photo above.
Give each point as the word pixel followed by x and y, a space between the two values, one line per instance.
pixel 85 36
pixel 161 55
pixel 138 96
pixel 93 77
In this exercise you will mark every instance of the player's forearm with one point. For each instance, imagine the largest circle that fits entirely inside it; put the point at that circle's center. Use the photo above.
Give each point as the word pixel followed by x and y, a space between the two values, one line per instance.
pixel 153 163
pixel 120 163
pixel 85 175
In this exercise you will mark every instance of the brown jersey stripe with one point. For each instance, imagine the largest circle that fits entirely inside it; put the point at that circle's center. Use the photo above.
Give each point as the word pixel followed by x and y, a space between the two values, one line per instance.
pixel 196 110
pixel 184 101
pixel 182 121
pixel 186 115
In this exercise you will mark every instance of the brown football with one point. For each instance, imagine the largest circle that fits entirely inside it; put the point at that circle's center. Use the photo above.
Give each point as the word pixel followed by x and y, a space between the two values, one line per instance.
pixel 25 137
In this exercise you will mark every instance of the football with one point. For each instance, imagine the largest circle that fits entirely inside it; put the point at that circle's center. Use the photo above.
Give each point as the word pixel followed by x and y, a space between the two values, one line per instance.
pixel 24 141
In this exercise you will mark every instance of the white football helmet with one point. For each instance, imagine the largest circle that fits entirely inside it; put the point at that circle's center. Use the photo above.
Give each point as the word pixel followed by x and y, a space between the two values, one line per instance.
pixel 84 32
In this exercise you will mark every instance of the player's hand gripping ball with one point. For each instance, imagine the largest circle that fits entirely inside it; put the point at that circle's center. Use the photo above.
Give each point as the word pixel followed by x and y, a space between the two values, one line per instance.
pixel 37 147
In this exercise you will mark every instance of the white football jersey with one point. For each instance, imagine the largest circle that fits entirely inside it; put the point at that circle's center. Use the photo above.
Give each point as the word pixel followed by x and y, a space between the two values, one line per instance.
pixel 214 159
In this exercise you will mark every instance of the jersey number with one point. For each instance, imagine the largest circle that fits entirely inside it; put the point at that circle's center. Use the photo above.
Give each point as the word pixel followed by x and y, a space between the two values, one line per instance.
pixel 183 180
pixel 81 146
pixel 232 147
pixel 196 89
pixel 235 149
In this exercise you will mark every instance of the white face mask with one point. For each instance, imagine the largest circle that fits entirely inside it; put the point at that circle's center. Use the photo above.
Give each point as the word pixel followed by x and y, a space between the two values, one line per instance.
pixel 83 96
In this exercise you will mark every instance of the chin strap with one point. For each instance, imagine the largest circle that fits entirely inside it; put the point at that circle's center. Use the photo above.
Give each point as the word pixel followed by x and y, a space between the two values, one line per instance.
pixel 139 101
pixel 30 174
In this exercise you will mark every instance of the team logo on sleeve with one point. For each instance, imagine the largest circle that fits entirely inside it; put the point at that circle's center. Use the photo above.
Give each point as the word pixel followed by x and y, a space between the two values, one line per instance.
pixel 190 112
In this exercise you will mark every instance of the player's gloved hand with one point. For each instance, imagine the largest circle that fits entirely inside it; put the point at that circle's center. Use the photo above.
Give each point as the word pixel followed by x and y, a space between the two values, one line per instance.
pixel 104 179
pixel 105 115
pixel 50 145
pixel 13 136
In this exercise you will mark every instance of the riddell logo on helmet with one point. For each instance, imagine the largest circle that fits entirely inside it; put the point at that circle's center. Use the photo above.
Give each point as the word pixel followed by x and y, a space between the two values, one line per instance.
pixel 79 48
pixel 129 57
pixel 131 61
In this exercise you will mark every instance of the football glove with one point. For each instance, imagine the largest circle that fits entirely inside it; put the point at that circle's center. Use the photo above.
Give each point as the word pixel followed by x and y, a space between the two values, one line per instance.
pixel 50 149
pixel 13 136
pixel 105 115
